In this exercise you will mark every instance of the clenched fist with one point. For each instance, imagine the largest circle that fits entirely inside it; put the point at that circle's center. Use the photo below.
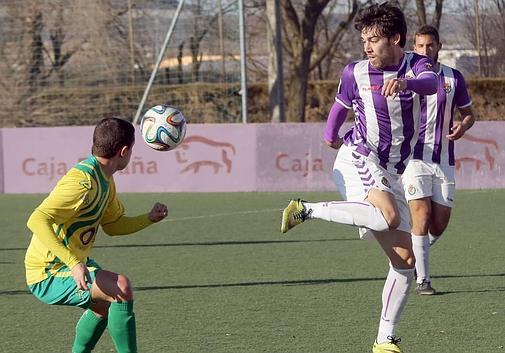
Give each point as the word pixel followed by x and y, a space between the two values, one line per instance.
pixel 158 212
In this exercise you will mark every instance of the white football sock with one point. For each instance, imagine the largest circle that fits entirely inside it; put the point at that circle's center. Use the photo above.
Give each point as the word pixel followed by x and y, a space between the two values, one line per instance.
pixel 361 214
pixel 433 239
pixel 421 248
pixel 394 298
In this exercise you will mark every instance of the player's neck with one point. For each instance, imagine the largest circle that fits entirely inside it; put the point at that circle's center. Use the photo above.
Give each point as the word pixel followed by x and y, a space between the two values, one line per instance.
pixel 395 62
pixel 107 166
pixel 397 57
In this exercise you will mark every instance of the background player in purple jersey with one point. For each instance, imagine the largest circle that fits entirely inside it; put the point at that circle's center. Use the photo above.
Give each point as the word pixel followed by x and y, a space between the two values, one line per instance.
pixel 384 92
pixel 429 177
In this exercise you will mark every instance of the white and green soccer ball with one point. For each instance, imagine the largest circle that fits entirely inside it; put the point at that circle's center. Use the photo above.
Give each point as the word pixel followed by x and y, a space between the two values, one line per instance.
pixel 163 127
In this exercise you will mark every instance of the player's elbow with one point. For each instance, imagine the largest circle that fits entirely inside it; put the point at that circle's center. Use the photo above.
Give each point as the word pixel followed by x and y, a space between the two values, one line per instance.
pixel 29 223
pixel 433 86
pixel 110 230
pixel 35 219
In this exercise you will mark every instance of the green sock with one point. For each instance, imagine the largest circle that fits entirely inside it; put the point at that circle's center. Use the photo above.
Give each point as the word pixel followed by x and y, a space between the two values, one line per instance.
pixel 88 331
pixel 122 327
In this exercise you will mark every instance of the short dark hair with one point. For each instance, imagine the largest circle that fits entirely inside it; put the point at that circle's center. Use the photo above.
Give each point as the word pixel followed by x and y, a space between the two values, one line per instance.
pixel 110 135
pixel 387 18
pixel 428 30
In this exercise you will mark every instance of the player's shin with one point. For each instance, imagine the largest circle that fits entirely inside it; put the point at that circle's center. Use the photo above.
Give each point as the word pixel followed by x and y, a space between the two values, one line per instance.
pixel 394 297
pixel 421 249
pixel 361 214
pixel 122 327
pixel 88 331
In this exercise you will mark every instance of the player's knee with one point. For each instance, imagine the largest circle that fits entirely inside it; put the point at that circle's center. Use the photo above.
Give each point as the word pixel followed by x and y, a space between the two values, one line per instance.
pixel 392 218
pixel 125 288
pixel 410 261
pixel 420 211
pixel 100 309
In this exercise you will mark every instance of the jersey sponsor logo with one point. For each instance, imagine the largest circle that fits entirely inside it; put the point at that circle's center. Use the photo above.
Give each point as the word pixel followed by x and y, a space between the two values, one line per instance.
pixel 447 87
pixel 411 190
pixel 87 236
pixel 373 88
pixel 428 66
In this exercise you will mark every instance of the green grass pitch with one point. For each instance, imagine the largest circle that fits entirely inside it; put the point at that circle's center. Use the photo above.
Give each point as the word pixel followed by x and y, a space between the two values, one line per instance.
pixel 218 276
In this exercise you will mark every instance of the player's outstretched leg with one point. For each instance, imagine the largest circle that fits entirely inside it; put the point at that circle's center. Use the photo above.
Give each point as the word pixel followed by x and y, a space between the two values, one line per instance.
pixel 294 214
pixel 355 213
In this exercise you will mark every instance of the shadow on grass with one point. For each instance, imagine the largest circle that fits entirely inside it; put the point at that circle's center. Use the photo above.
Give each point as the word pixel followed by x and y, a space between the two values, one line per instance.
pixel 293 283
pixel 207 243
pixel 494 290
pixel 315 282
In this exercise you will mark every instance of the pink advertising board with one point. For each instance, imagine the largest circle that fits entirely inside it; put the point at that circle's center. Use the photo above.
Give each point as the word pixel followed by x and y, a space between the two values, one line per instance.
pixel 223 157
pixel 212 158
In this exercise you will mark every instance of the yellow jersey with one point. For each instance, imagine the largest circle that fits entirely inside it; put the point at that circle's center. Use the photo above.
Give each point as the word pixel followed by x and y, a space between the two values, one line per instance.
pixel 65 224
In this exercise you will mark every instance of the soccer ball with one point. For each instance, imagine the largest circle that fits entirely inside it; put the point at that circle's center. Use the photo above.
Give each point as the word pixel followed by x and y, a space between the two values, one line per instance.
pixel 163 127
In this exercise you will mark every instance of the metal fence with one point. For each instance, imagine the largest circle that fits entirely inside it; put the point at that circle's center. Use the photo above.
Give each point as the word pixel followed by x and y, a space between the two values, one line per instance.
pixel 72 62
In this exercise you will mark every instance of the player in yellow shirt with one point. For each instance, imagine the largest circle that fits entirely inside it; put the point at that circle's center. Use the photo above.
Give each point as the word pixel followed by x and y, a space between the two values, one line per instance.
pixel 64 226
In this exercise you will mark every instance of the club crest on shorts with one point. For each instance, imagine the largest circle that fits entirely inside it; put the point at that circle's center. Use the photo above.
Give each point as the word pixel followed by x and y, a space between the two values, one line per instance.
pixel 385 182
pixel 411 190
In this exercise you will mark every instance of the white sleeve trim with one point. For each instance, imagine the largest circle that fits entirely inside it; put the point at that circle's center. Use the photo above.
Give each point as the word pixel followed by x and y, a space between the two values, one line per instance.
pixel 427 72
pixel 466 105
pixel 342 103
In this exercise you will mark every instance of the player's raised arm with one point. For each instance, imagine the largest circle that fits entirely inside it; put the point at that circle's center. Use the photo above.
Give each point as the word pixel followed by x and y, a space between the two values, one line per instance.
pixel 114 222
pixel 336 118
pixel 425 81
pixel 425 84
pixel 124 225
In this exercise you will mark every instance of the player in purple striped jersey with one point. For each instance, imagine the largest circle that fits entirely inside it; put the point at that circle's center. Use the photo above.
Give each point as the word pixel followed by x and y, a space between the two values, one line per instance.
pixel 429 177
pixel 384 92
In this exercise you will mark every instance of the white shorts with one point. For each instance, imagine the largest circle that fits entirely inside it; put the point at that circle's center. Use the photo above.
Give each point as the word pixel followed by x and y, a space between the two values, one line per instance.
pixel 355 174
pixel 426 179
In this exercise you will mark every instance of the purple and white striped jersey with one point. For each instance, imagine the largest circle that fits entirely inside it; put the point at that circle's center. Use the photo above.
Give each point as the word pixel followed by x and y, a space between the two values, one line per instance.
pixel 437 113
pixel 385 128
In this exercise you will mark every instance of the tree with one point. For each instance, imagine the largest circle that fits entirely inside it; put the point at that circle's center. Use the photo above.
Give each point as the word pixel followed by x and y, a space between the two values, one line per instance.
pixel 421 13
pixel 300 24
pixel 49 42
pixel 484 20
pixel 204 20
